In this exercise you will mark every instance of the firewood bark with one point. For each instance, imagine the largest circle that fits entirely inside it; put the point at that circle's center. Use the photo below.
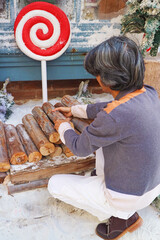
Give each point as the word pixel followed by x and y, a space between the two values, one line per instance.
pixel 66 151
pixel 78 123
pixel 59 104
pixel 58 151
pixel 2 176
pixel 59 142
pixel 45 124
pixel 4 160
pixel 33 154
pixel 48 107
pixel 16 151
pixel 37 136
pixel 46 169
pixel 27 186
pixel 69 101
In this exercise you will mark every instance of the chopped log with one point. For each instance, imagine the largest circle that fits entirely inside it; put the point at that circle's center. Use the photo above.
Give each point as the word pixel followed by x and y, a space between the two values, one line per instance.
pixel 2 176
pixel 45 124
pixel 58 151
pixel 59 104
pixel 79 124
pixel 66 151
pixel 16 151
pixel 4 160
pixel 69 101
pixel 59 142
pixel 27 186
pixel 33 154
pixel 7 179
pixel 48 107
pixel 48 167
pixel 37 136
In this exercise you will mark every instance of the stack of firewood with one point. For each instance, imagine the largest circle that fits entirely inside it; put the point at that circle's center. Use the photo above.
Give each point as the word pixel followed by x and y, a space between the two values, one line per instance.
pixel 36 137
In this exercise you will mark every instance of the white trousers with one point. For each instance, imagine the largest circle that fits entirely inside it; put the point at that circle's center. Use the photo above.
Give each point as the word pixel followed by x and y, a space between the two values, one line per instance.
pixel 84 192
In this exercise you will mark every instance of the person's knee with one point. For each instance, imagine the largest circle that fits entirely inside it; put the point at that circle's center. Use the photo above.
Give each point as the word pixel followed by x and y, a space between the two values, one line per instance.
pixel 54 184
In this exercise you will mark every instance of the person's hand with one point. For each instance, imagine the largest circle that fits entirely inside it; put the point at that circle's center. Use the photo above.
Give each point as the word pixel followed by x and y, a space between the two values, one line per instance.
pixel 59 121
pixel 66 111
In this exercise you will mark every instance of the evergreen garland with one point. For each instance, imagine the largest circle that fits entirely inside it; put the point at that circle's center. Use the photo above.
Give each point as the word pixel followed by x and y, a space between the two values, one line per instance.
pixel 6 102
pixel 143 16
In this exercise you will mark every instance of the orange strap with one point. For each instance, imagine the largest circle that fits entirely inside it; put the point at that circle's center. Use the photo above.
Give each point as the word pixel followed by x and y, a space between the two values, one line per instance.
pixel 124 99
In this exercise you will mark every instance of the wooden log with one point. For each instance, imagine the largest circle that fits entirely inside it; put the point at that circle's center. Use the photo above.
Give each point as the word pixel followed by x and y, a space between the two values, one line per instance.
pixel 16 151
pixel 78 123
pixel 58 151
pixel 59 104
pixel 37 136
pixel 45 124
pixel 48 107
pixel 33 154
pixel 69 101
pixel 59 142
pixel 47 168
pixel 4 160
pixel 66 151
pixel 2 176
pixel 27 186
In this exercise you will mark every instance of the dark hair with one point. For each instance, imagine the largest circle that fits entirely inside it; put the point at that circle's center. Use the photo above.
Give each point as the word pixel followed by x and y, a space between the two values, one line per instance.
pixel 119 63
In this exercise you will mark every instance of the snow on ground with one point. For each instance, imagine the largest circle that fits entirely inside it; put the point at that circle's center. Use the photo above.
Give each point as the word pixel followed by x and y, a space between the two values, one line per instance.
pixel 35 215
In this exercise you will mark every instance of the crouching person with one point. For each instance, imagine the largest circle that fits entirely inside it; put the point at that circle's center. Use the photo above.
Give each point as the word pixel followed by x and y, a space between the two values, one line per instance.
pixel 124 134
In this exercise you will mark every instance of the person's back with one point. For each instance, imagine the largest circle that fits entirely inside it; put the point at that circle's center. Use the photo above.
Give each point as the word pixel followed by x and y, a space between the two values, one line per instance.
pixel 135 165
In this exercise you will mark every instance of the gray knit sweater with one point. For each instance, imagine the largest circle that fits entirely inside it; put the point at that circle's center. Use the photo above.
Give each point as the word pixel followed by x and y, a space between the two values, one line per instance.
pixel 128 130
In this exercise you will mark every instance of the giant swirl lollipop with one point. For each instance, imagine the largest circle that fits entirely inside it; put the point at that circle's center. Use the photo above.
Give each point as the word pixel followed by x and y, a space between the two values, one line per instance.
pixel 42 32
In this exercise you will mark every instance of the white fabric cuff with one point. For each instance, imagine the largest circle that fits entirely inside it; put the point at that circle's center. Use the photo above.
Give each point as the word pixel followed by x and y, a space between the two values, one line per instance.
pixel 79 111
pixel 62 128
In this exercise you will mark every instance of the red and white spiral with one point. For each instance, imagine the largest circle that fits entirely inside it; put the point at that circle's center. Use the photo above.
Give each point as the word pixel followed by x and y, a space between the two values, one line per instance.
pixel 42 31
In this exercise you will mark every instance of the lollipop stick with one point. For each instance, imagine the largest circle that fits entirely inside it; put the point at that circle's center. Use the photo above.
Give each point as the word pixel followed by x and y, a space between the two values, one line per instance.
pixel 44 81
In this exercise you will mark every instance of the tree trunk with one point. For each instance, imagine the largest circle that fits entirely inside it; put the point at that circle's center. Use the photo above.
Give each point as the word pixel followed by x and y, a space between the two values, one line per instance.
pixel 58 151
pixel 59 142
pixel 48 167
pixel 45 124
pixel 2 176
pixel 66 151
pixel 48 107
pixel 4 160
pixel 16 151
pixel 59 104
pixel 78 123
pixel 27 186
pixel 33 154
pixel 37 136
pixel 69 101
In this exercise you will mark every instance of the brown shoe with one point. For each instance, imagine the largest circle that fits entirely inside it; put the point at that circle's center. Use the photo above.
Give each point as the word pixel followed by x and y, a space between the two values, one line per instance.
pixel 117 227
pixel 93 173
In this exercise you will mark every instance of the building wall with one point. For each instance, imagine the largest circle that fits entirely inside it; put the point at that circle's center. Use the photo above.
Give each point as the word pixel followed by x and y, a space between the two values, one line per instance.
pixel 87 31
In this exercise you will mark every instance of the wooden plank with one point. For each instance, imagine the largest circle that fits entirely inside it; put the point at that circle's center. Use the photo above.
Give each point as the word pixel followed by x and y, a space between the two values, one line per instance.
pixel 2 176
pixel 4 160
pixel 27 186
pixel 46 167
